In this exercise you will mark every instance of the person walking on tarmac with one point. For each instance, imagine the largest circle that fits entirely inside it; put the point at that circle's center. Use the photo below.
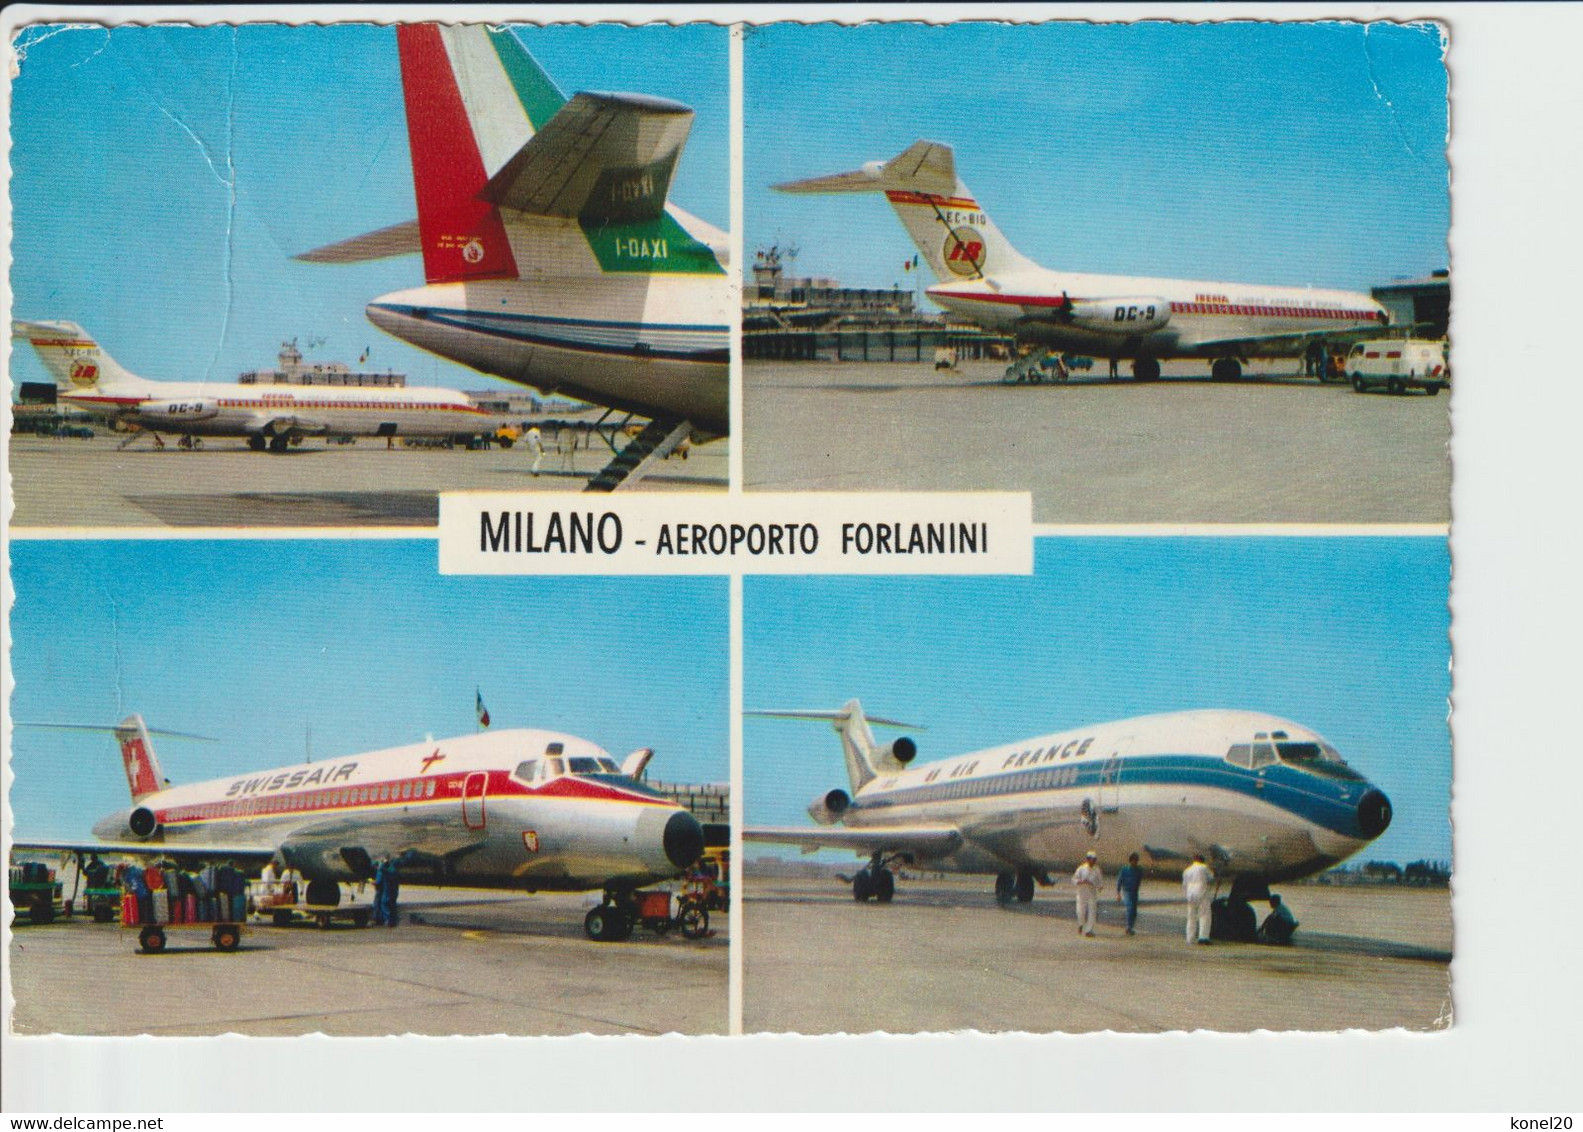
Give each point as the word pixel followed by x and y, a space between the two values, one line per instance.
pixel 1127 882
pixel 381 881
pixel 1197 880
pixel 536 446
pixel 1087 880
pixel 387 886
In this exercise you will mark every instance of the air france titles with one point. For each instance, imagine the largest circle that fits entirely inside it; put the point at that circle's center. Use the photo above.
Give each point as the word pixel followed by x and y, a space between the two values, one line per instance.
pixel 915 538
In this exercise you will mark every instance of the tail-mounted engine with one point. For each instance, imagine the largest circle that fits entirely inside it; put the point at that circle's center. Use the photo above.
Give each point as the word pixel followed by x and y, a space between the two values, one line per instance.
pixel 142 822
pixel 895 756
pixel 1130 314
pixel 827 809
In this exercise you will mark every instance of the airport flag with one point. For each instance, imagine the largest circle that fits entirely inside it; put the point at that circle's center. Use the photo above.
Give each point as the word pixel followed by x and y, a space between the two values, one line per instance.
pixel 483 712
pixel 911 264
pixel 364 358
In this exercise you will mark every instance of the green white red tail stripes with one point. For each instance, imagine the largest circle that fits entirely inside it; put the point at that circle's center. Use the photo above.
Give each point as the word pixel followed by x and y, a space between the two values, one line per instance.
pixel 463 237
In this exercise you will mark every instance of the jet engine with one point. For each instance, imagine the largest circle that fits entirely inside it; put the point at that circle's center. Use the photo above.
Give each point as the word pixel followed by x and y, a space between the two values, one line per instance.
pixel 828 808
pixel 1130 314
pixel 142 822
pixel 895 756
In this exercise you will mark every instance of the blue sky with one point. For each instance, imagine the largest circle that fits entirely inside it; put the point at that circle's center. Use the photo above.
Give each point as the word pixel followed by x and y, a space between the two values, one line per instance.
pixel 1347 636
pixel 253 642
pixel 1302 153
pixel 123 142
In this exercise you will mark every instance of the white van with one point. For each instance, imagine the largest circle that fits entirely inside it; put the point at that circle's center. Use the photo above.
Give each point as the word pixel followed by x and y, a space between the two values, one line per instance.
pixel 1398 363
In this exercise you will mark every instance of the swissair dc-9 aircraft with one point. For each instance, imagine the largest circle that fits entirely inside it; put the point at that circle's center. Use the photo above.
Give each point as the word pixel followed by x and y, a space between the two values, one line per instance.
pixel 988 282
pixel 269 416
pixel 550 255
pixel 1263 799
pixel 524 810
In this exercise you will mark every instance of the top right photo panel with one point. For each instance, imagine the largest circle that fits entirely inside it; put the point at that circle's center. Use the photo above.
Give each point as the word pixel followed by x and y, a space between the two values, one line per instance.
pixel 1151 272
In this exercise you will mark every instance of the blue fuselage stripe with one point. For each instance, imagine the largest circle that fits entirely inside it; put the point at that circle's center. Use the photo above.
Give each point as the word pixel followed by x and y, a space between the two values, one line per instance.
pixel 683 342
pixel 1328 802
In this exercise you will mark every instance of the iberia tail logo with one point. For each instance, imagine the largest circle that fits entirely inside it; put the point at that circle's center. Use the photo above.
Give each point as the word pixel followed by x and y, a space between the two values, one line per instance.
pixel 964 251
pixel 84 373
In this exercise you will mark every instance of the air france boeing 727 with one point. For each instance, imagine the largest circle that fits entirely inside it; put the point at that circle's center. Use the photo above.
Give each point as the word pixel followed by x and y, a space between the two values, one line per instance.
pixel 1260 797
pixel 988 282
pixel 524 810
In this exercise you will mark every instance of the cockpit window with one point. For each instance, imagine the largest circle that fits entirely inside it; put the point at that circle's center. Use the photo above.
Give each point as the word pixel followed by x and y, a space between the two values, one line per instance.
pixel 584 766
pixel 1263 755
pixel 528 770
pixel 1316 758
pixel 555 749
pixel 609 766
pixel 1240 755
pixel 557 766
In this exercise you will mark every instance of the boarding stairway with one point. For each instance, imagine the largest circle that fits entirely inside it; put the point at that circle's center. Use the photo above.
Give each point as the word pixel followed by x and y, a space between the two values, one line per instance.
pixel 658 440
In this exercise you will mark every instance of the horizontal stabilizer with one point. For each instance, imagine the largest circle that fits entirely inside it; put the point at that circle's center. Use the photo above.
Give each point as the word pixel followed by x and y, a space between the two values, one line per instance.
pixel 603 158
pixel 921 841
pixel 398 239
pixel 923 167
pixel 834 717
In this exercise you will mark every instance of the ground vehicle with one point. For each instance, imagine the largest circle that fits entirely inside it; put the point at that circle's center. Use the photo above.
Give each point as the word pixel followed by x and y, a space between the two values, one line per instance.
pixel 612 922
pixel 35 890
pixel 278 902
pixel 944 357
pixel 1399 364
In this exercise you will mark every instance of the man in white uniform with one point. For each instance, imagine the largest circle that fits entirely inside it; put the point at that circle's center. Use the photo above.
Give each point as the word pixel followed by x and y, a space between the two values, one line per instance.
pixel 1087 880
pixel 1197 881
pixel 536 446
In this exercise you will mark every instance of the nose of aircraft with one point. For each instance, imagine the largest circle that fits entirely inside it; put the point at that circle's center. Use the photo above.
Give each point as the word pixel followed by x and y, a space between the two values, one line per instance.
pixel 1374 814
pixel 683 839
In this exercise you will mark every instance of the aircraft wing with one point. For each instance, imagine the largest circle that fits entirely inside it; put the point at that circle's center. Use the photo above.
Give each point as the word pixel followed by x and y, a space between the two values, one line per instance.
pixel 1285 343
pixel 337 841
pixel 919 840
pixel 601 158
pixel 239 852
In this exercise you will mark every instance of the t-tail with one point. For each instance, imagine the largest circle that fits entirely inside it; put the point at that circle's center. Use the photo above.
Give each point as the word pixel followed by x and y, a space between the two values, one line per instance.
pixel 865 759
pixel 76 362
pixel 474 97
pixel 143 775
pixel 951 230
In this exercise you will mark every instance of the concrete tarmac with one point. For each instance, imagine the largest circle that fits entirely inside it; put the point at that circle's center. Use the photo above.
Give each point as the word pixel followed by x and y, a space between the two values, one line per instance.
pixel 945 957
pixel 477 963
pixel 1276 448
pixel 95 483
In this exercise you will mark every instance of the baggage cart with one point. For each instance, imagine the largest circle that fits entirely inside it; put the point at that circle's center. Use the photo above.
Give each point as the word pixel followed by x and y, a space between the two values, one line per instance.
pixel 151 938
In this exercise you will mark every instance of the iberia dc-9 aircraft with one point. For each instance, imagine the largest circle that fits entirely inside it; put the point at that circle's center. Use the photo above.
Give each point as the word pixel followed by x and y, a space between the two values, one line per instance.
pixel 529 811
pixel 551 257
pixel 985 280
pixel 1261 798
pixel 268 416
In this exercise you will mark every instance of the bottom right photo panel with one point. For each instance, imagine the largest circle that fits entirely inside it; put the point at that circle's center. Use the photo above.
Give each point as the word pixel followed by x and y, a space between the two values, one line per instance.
pixel 1160 784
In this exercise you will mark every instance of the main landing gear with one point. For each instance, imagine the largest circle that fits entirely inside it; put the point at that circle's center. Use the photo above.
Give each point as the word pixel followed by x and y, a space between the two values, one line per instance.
pixel 1016 886
pixel 1225 369
pixel 1146 369
pixel 874 881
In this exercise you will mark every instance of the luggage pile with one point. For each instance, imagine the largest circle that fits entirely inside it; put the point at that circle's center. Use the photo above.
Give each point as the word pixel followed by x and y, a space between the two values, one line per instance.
pixel 165 894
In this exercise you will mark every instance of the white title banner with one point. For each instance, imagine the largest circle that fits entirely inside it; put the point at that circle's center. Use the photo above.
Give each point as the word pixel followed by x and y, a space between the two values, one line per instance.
pixel 802 533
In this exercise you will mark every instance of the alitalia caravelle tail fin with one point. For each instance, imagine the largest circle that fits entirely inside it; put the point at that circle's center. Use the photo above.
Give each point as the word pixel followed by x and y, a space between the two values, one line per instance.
pixel 952 232
pixel 76 362
pixel 865 761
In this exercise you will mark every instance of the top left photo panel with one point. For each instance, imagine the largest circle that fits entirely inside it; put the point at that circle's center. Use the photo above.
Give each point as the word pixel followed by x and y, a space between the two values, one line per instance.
pixel 271 276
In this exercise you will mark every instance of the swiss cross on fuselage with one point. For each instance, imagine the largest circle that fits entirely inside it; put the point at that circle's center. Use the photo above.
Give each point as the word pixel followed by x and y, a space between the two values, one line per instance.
pixel 431 760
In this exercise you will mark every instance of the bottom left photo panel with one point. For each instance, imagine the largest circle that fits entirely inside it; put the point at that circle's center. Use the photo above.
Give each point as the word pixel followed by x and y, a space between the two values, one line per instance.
pixel 291 787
